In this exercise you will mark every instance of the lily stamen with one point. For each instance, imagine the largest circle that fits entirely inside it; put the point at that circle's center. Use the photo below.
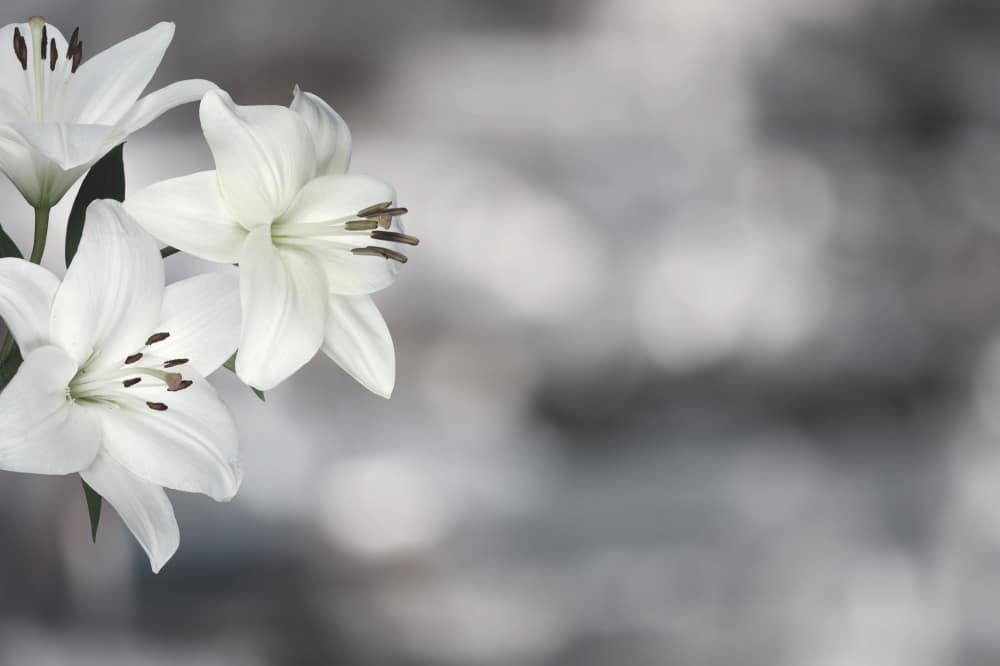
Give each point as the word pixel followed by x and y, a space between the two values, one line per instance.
pixel 157 337
pixel 395 237
pixel 173 363
pixel 129 360
pixel 85 386
pixel 20 49
pixel 361 225
pixel 379 251
pixel 157 406
pixel 374 209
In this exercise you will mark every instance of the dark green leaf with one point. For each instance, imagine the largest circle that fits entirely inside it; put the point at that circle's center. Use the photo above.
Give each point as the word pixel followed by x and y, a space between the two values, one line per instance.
pixel 94 502
pixel 230 365
pixel 9 365
pixel 106 180
pixel 7 247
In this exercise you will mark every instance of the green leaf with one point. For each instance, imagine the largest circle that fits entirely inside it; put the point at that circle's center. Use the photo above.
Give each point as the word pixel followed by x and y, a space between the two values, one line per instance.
pixel 106 180
pixel 8 248
pixel 230 365
pixel 9 365
pixel 94 502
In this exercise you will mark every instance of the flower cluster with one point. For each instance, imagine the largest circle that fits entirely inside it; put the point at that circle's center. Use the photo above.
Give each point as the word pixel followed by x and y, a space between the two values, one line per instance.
pixel 105 369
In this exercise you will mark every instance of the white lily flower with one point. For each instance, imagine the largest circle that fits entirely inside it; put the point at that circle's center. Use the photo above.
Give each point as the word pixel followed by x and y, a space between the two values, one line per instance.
pixel 113 380
pixel 311 240
pixel 59 115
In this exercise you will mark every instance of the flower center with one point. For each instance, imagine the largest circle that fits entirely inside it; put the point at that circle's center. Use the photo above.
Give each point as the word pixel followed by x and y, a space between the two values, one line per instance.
pixel 45 74
pixel 374 220
pixel 106 387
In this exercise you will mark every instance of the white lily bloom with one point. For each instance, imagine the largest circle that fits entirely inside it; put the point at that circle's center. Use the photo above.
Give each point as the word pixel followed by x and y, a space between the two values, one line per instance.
pixel 113 380
pixel 59 115
pixel 311 240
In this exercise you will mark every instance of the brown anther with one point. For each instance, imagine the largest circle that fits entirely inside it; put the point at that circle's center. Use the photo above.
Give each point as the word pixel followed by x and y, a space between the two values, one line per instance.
pixel 129 360
pixel 131 382
pixel 157 337
pixel 395 211
pixel 173 363
pixel 181 385
pixel 157 406
pixel 395 237
pixel 374 209
pixel 77 57
pixel 20 49
pixel 45 38
pixel 377 251
pixel 74 39
pixel 382 214
pixel 53 55
pixel 361 225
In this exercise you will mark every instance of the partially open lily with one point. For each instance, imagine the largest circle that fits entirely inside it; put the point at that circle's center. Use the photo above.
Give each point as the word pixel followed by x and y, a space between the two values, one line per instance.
pixel 113 380
pixel 59 113
pixel 311 240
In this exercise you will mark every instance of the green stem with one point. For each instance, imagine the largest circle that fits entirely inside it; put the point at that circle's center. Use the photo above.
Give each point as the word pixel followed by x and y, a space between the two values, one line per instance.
pixel 41 232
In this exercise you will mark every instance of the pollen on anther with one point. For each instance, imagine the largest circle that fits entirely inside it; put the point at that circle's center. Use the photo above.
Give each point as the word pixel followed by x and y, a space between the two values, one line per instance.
pixel 157 337
pixel 379 251
pixel 20 49
pixel 395 237
pixel 131 382
pixel 180 386
pixel 365 212
pixel 129 360
pixel 157 406
pixel 53 55
pixel 173 363
pixel 45 38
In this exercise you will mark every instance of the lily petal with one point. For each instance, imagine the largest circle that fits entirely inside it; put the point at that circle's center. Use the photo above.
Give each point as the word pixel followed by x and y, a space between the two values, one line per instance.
pixel 190 214
pixel 358 340
pixel 329 132
pixel 156 103
pixel 202 315
pixel 67 144
pixel 190 446
pixel 26 294
pixel 110 299
pixel 41 430
pixel 335 197
pixel 283 293
pixel 263 155
pixel 107 85
pixel 41 181
pixel 143 507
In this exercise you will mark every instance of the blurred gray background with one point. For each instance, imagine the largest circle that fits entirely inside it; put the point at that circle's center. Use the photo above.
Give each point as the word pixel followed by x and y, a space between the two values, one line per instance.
pixel 699 360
